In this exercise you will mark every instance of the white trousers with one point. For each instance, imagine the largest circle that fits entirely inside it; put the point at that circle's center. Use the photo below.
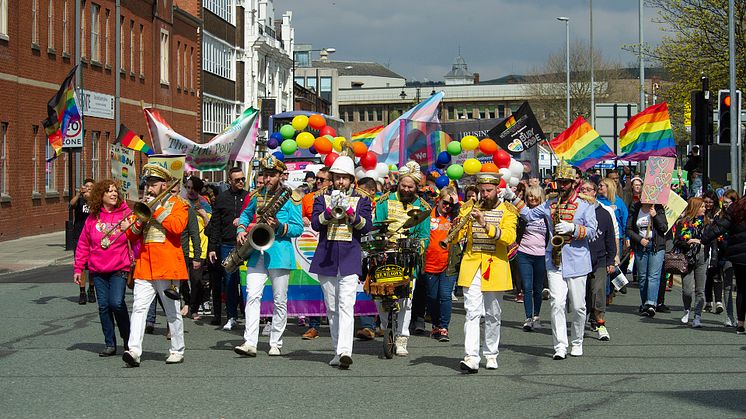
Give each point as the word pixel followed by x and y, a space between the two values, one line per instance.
pixel 404 317
pixel 144 293
pixel 340 293
pixel 559 289
pixel 256 277
pixel 478 304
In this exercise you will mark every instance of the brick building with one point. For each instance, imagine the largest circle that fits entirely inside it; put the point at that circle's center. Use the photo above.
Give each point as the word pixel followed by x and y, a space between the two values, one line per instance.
pixel 160 67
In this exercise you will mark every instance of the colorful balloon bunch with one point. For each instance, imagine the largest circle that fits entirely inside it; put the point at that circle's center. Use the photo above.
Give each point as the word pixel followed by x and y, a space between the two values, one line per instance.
pixel 296 135
pixel 510 169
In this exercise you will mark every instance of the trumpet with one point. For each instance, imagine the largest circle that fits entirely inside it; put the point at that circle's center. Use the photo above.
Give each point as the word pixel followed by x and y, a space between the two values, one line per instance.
pixel 465 218
pixel 141 211
pixel 339 212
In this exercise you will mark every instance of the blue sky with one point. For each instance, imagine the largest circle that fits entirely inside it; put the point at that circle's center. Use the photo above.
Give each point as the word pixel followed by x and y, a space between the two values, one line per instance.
pixel 419 39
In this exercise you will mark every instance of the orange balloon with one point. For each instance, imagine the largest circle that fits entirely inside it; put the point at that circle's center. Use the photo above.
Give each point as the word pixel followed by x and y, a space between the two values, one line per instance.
pixel 359 148
pixel 322 145
pixel 488 146
pixel 489 167
pixel 316 121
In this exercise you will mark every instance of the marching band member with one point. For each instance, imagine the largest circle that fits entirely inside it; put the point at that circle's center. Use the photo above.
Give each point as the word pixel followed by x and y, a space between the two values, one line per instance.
pixel 485 270
pixel 160 262
pixel 341 215
pixel 275 262
pixel 394 206
pixel 568 256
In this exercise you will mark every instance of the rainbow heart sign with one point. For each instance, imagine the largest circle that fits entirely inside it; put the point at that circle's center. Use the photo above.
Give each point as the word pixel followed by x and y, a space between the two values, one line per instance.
pixel 515 146
pixel 305 247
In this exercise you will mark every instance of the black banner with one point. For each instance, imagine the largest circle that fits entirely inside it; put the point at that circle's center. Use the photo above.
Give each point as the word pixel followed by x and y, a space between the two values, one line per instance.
pixel 518 132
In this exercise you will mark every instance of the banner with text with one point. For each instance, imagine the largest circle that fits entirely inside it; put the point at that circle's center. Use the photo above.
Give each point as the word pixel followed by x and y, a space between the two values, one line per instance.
pixel 518 132
pixel 235 143
pixel 123 170
pixel 657 185
pixel 174 164
pixel 674 208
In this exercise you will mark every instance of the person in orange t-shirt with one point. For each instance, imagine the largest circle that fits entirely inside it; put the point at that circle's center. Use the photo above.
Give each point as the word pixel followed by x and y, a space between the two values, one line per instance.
pixel 159 264
pixel 439 285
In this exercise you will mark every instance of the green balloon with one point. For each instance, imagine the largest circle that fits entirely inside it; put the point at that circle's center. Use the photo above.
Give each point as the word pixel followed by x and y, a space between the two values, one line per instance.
pixel 454 148
pixel 287 131
pixel 288 147
pixel 454 171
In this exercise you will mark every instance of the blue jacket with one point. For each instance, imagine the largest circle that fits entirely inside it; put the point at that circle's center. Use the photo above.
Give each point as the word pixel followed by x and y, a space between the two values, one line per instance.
pixel 280 255
pixel 620 211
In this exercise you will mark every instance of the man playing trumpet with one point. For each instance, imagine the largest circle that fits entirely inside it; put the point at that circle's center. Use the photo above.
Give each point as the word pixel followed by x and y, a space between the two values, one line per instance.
pixel 341 216
pixel 275 262
pixel 485 270
pixel 160 262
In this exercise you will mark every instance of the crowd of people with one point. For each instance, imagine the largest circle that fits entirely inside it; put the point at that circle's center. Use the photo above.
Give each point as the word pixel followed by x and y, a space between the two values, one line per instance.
pixel 560 239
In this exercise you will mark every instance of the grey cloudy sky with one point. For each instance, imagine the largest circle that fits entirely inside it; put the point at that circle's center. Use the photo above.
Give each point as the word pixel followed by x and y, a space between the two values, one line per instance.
pixel 419 39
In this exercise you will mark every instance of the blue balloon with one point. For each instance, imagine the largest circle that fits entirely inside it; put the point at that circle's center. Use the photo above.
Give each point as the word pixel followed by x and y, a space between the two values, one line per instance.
pixel 277 136
pixel 279 155
pixel 272 143
pixel 312 150
pixel 442 181
pixel 443 158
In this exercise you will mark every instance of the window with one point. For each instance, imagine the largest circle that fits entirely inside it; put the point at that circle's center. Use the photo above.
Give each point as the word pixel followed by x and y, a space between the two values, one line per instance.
pixel 191 68
pixel 95 25
pixel 50 183
pixel 65 49
pixel 325 88
pixel 35 159
pixel 301 81
pixel 50 25
pixel 221 8
pixel 105 145
pixel 132 47
pixel 500 111
pixel 178 64
pixel 142 64
pixel 186 66
pixel 121 43
pixel 63 162
pixel 217 115
pixel 34 23
pixel 4 18
pixel 311 84
pixel 218 57
pixel 4 158
pixel 95 146
pixel 82 31
pixel 107 33
pixel 164 56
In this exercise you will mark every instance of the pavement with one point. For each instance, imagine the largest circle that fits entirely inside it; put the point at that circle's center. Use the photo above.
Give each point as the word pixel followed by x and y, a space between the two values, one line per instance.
pixel 650 368
pixel 34 252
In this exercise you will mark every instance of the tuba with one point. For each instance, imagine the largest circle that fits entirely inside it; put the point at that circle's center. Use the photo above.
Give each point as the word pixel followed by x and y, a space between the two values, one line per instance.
pixel 261 236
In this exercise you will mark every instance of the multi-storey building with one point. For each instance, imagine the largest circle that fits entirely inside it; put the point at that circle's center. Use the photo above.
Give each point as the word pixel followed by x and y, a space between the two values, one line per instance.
pixel 159 67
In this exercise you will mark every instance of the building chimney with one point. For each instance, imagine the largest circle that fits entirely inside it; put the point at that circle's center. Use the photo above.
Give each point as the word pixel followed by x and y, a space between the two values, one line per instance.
pixel 476 78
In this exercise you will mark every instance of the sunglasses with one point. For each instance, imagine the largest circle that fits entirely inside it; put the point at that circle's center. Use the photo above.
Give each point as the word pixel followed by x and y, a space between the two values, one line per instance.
pixel 241 179
pixel 448 203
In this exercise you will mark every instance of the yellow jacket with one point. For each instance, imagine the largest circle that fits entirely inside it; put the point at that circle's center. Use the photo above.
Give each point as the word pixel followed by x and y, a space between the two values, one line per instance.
pixel 488 252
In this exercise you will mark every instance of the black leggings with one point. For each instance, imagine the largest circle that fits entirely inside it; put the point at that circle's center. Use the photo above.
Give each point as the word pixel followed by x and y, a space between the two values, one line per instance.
pixel 714 284
pixel 740 273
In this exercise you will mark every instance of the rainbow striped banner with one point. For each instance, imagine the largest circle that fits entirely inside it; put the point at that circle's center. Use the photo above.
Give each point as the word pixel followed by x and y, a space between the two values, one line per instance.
pixel 367 136
pixel 305 297
pixel 63 113
pixel 580 145
pixel 648 134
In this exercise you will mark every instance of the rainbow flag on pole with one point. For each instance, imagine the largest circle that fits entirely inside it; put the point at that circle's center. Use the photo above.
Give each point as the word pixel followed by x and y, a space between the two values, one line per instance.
pixel 62 112
pixel 131 140
pixel 580 145
pixel 367 135
pixel 648 134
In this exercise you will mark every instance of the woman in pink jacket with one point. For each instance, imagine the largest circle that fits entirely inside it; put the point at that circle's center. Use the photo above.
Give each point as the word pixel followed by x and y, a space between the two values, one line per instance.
pixel 103 246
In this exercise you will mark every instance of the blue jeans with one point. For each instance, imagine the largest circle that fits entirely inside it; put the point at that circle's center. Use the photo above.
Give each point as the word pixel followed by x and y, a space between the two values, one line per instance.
pixel 110 289
pixel 533 270
pixel 230 285
pixel 368 322
pixel 439 288
pixel 649 264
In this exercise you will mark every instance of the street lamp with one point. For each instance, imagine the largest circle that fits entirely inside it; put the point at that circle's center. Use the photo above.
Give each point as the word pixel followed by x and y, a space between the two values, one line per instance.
pixel 567 62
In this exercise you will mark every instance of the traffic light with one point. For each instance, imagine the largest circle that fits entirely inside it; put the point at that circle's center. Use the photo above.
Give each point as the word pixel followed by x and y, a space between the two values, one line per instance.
pixel 724 99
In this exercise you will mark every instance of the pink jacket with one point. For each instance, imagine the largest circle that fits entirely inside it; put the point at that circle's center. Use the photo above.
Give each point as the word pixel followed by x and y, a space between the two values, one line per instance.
pixel 89 250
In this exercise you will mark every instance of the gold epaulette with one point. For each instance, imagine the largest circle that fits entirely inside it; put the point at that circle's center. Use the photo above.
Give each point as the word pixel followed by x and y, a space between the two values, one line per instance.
pixel 383 198
pixel 365 193
pixel 552 195
pixel 253 194
pixel 425 206
pixel 182 200
pixel 511 207
pixel 589 199
pixel 296 196
pixel 320 191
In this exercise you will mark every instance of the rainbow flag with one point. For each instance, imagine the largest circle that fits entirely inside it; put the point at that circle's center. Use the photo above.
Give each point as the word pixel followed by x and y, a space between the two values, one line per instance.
pixel 63 115
pixel 131 140
pixel 648 134
pixel 367 135
pixel 580 145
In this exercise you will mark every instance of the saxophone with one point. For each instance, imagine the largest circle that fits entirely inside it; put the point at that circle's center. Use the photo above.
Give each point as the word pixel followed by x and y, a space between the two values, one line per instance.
pixel 456 228
pixel 557 240
pixel 261 236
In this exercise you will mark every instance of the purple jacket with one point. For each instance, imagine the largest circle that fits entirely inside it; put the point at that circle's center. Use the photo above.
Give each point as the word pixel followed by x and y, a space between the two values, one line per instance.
pixel 343 258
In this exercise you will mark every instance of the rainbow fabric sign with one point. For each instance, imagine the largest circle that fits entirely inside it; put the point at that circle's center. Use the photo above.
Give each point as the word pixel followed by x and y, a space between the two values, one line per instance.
pixel 367 136
pixel 132 141
pixel 580 145
pixel 63 115
pixel 305 297
pixel 648 134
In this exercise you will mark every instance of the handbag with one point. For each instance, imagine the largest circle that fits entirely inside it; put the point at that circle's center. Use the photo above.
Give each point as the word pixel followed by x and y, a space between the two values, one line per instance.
pixel 675 262
pixel 131 273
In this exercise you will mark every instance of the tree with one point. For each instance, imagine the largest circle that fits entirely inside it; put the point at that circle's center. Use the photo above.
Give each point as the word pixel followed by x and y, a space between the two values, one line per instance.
pixel 547 86
pixel 696 43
